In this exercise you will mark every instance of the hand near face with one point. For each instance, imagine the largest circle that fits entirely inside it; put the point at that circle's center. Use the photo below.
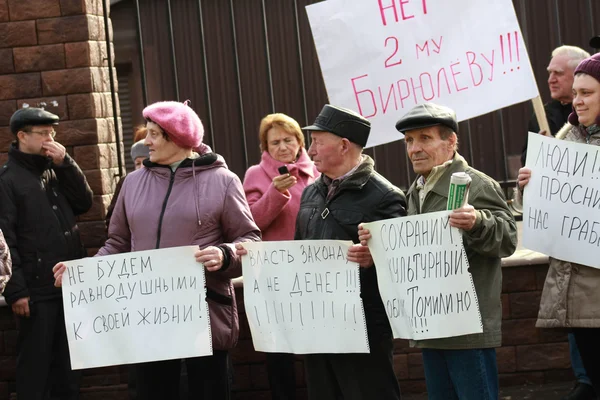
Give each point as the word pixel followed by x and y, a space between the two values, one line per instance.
pixel 283 182
pixel 55 151
pixel 463 218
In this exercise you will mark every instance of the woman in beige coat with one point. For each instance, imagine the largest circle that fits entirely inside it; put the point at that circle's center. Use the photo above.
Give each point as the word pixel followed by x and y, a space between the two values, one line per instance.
pixel 571 296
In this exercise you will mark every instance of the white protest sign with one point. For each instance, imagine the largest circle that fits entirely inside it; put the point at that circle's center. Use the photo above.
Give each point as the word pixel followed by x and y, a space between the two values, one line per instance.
pixel 381 58
pixel 303 297
pixel 423 278
pixel 561 202
pixel 136 307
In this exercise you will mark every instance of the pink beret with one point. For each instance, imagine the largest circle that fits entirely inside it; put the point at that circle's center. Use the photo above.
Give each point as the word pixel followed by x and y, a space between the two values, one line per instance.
pixel 178 120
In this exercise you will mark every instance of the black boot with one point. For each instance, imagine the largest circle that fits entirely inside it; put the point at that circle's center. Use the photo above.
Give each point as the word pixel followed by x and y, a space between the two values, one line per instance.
pixel 581 391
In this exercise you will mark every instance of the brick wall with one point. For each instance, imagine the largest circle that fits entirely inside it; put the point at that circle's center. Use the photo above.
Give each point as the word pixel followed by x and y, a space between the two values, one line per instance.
pixel 55 50
pixel 529 355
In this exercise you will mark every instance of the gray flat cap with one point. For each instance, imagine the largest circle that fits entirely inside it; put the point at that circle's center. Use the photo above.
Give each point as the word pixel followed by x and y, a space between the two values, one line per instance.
pixel 426 115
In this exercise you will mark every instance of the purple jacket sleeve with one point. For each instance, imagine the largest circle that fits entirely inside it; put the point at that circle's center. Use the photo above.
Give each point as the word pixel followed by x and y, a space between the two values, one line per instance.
pixel 119 235
pixel 238 226
pixel 265 205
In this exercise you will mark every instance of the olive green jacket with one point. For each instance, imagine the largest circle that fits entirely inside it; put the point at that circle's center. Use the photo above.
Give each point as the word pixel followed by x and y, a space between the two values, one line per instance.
pixel 494 236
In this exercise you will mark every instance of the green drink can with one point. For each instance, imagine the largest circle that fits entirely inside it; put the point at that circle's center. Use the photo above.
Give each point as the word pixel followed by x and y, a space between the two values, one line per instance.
pixel 458 192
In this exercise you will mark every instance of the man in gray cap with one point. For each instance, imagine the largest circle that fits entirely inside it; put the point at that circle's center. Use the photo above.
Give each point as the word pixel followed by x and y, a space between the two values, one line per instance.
pixel 349 192
pixel 461 367
pixel 41 191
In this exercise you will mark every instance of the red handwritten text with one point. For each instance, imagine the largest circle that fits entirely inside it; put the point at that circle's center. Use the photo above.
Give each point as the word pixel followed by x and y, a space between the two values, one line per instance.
pixel 467 72
pixel 404 14
pixel 436 48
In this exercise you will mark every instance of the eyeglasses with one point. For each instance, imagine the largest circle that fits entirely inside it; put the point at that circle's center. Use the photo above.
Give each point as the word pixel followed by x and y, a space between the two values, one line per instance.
pixel 51 134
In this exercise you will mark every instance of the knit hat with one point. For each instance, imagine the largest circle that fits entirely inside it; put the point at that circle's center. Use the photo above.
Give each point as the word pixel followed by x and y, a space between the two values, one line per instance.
pixel 139 150
pixel 178 120
pixel 591 67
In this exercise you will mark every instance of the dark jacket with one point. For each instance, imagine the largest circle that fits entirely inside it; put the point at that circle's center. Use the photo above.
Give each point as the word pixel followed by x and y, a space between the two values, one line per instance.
pixel 494 236
pixel 38 205
pixel 364 196
pixel 556 114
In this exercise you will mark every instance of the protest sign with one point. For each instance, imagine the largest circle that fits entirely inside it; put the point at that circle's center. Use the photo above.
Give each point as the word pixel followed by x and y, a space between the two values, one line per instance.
pixel 561 202
pixel 303 297
pixel 423 277
pixel 136 307
pixel 381 58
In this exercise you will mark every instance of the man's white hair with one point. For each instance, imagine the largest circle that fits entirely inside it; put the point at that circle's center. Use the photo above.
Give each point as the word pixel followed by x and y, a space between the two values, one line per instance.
pixel 574 53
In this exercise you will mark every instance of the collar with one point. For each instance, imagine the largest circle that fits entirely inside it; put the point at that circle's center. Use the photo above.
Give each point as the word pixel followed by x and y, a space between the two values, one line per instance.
pixel 434 175
pixel 196 160
pixel 458 164
pixel 354 179
pixel 328 181
pixel 34 162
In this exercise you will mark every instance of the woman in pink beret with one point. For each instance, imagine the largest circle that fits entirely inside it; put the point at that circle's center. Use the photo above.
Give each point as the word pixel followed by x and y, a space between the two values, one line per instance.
pixel 188 199
pixel 273 189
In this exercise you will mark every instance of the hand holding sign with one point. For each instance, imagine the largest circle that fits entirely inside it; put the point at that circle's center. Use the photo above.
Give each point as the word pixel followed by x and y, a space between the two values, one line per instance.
pixel 423 277
pixel 561 216
pixel 112 301
pixel 303 297
pixel 524 177
pixel 361 255
pixel 59 270
pixel 211 257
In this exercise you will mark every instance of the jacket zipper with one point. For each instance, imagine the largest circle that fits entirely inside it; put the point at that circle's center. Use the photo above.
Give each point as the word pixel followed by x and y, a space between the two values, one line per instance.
pixel 164 207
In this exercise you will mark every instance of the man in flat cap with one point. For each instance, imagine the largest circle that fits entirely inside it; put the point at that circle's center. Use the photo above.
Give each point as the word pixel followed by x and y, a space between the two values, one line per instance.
pixel 41 191
pixel 462 367
pixel 560 83
pixel 349 192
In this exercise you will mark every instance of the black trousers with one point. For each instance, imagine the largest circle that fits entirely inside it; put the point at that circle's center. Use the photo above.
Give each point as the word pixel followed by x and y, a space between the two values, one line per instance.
pixel 208 378
pixel 353 376
pixel 588 344
pixel 43 364
pixel 282 375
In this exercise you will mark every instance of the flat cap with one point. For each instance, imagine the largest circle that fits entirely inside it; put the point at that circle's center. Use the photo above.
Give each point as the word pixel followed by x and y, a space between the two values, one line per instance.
pixel 426 115
pixel 342 122
pixel 31 116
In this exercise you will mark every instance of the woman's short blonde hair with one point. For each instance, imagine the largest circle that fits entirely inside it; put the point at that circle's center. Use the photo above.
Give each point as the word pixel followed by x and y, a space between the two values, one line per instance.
pixel 287 123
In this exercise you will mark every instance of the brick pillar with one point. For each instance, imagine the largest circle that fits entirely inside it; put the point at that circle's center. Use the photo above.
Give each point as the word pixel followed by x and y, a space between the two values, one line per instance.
pixel 55 50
